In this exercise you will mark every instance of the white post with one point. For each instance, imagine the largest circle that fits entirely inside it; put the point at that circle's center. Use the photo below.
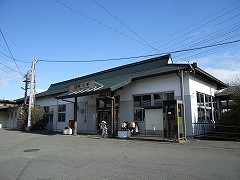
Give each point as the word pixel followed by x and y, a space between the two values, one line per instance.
pixel 32 93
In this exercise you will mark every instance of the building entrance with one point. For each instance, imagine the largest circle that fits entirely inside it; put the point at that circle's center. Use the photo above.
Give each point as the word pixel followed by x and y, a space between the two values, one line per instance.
pixel 173 120
pixel 107 110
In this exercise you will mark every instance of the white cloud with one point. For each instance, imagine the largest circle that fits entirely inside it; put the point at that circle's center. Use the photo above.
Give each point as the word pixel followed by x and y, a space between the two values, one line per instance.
pixel 225 66
pixel 5 80
pixel 38 90
pixel 225 75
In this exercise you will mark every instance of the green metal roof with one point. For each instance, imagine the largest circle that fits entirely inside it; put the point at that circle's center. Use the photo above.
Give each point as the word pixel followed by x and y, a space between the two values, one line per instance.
pixel 118 77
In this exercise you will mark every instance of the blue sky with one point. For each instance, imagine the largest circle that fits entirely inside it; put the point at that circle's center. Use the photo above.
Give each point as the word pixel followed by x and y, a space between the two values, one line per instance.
pixel 48 30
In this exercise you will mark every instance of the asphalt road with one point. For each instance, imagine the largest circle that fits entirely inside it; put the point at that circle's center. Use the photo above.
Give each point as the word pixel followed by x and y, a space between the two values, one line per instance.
pixel 88 157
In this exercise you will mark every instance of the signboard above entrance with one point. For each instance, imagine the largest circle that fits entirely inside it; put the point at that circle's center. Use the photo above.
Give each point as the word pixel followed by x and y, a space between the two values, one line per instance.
pixel 84 87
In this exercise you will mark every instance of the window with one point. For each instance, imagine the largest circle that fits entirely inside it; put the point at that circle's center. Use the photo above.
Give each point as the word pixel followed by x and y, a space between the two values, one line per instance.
pixel 46 109
pixel 158 100
pixel 104 103
pixel 139 114
pixel 170 96
pixel 205 107
pixel 101 104
pixel 146 101
pixel 137 101
pixel 48 115
pixel 61 113
pixel 154 100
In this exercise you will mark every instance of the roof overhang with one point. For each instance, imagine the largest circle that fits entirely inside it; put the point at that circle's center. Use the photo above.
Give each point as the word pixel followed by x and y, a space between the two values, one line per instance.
pixel 5 104
pixel 106 85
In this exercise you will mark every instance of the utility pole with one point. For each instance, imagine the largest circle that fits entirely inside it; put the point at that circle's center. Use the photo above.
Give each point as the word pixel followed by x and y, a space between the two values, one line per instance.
pixel 27 81
pixel 32 94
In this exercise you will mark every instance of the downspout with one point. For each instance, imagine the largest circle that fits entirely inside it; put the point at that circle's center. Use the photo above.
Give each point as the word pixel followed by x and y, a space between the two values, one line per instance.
pixel 183 101
pixel 57 117
pixel 75 116
pixel 74 113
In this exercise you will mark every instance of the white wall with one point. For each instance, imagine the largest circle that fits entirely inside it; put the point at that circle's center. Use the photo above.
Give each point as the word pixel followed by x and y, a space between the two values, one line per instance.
pixel 154 119
pixel 12 119
pixel 82 125
pixel 3 118
pixel 199 85
pixel 158 84
pixel 151 85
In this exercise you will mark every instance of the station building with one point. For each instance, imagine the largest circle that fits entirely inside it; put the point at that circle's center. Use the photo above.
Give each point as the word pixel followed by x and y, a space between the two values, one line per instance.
pixel 159 95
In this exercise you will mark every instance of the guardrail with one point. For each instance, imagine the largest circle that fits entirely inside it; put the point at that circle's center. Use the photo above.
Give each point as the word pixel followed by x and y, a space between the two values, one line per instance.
pixel 214 130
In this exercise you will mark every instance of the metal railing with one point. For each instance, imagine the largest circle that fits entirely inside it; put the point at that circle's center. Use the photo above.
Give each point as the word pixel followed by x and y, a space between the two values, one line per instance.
pixel 215 131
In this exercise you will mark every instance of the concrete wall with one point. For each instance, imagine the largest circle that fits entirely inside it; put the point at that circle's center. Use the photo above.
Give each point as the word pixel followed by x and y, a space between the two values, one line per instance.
pixel 196 84
pixel 3 118
pixel 87 119
pixel 151 85
pixel 85 115
pixel 12 118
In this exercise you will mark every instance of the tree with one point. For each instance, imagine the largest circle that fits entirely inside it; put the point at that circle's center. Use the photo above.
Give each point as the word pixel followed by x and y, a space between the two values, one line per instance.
pixel 37 118
pixel 23 117
pixel 37 122
pixel 232 117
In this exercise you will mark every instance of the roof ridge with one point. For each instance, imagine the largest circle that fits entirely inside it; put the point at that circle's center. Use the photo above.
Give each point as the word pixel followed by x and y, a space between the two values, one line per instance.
pixel 114 69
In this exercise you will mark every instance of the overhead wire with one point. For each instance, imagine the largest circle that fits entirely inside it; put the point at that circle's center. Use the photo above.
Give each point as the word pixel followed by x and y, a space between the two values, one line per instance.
pixel 17 47
pixel 125 26
pixel 216 37
pixel 11 52
pixel 98 22
pixel 8 67
pixel 11 74
pixel 14 58
pixel 213 36
pixel 204 53
pixel 199 27
pixel 190 26
pixel 135 57
pixel 199 33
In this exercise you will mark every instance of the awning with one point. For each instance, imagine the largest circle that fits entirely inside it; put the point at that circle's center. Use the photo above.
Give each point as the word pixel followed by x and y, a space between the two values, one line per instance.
pixel 110 84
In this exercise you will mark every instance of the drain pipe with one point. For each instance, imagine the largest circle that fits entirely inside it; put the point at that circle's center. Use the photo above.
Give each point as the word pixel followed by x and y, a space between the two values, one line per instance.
pixel 183 101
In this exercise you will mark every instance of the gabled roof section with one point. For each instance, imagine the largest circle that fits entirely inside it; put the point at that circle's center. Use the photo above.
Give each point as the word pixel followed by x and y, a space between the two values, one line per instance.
pixel 115 78
pixel 228 91
pixel 204 74
pixel 119 75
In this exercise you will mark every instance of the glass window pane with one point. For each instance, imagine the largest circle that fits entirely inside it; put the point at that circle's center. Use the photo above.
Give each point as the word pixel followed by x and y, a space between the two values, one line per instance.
pixel 201 99
pixel 170 96
pixel 108 103
pixel 146 100
pixel 138 115
pixel 137 101
pixel 207 100
pixel 64 108
pixel 101 104
pixel 158 100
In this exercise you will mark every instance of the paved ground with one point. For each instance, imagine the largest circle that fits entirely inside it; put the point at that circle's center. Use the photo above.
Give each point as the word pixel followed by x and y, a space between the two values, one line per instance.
pixel 88 157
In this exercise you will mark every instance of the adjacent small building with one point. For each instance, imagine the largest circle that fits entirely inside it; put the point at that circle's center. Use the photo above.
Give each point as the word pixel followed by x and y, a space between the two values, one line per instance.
pixel 159 95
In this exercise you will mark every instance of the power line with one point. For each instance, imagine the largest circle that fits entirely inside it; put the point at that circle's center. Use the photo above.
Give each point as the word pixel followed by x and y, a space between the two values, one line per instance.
pixel 13 58
pixel 17 47
pixel 8 67
pixel 11 52
pixel 200 32
pixel 98 22
pixel 204 53
pixel 125 26
pixel 135 57
pixel 203 26
pixel 10 74
pixel 191 25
